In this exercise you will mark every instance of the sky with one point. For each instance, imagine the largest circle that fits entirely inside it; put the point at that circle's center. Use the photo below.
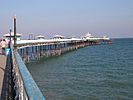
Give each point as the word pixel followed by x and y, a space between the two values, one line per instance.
pixel 71 18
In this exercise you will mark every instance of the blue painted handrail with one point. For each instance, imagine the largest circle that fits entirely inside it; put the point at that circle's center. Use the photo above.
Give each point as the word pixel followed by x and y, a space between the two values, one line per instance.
pixel 31 89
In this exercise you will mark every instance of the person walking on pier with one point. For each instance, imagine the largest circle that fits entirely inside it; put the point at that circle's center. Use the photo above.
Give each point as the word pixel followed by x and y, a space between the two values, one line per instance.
pixel 3 46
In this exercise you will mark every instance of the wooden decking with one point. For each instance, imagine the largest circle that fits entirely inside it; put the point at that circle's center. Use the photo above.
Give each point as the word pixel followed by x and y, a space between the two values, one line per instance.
pixel 2 69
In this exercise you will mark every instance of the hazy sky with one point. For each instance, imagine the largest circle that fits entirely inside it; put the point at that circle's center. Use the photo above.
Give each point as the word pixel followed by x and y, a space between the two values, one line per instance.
pixel 68 17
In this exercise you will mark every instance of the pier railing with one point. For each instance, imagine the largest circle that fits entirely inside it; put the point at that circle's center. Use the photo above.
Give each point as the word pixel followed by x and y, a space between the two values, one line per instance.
pixel 25 87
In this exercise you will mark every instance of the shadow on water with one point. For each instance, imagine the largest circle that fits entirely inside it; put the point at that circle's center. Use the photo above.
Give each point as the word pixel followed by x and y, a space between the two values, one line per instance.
pixel 44 59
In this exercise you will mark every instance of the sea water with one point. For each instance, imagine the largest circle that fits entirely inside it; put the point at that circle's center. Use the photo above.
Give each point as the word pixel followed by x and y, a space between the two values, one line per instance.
pixel 100 72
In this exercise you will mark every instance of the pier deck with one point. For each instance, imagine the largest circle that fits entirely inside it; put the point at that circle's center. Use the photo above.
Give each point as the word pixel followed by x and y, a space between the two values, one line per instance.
pixel 2 69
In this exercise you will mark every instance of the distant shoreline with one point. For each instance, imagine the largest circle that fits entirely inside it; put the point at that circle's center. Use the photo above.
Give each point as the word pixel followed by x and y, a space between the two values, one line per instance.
pixel 123 38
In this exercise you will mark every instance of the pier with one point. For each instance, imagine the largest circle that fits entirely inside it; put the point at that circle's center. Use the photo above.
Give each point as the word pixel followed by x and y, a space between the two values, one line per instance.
pixel 36 49
pixel 16 82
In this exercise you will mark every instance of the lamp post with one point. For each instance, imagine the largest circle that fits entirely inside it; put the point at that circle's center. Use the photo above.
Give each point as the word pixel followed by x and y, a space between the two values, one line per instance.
pixel 10 38
pixel 15 38
pixel 10 34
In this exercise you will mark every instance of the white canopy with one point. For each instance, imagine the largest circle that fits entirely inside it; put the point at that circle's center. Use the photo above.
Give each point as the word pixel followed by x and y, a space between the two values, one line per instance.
pixel 12 34
pixel 58 36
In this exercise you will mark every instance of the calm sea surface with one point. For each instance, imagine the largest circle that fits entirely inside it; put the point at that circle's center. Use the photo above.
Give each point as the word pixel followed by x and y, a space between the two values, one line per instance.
pixel 102 72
